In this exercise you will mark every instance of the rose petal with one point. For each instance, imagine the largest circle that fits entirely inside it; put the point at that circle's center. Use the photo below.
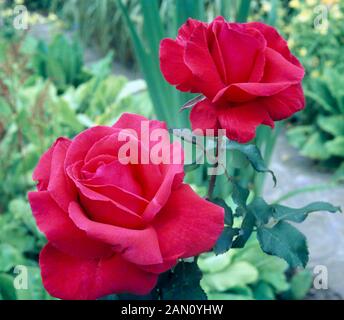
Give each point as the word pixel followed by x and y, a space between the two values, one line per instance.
pixel 84 141
pixel 203 116
pixel 241 121
pixel 60 187
pixel 137 246
pixel 278 69
pixel 172 63
pixel 186 30
pixel 70 278
pixel 198 59
pixel 102 208
pixel 188 224
pixel 285 103
pixel 275 41
pixel 60 229
pixel 241 51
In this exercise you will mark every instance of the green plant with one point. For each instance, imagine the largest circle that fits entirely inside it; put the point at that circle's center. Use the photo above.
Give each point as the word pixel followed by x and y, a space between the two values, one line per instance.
pixel 249 273
pixel 61 61
pixel 321 135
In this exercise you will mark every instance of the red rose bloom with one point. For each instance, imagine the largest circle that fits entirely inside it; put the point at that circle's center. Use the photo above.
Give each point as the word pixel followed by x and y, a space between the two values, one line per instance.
pixel 113 228
pixel 245 71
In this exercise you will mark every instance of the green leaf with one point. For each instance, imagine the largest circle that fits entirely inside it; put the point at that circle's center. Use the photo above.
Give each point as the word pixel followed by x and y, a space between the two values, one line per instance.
pixel 315 147
pixel 7 290
pixel 336 146
pixel 333 124
pixel 253 155
pixel 298 136
pixel 225 240
pixel 300 284
pixel 284 241
pixel 9 257
pixel 183 283
pixel 261 210
pixel 298 215
pixel 263 291
pixel 237 274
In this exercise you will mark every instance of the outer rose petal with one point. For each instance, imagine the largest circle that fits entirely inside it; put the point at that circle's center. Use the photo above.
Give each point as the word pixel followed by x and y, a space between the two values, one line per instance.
pixel 138 246
pixel 188 224
pixel 278 69
pixel 172 63
pixel 203 116
pixel 275 41
pixel 197 57
pixel 60 229
pixel 67 277
pixel 241 121
pixel 285 103
pixel 42 170
pixel 134 121
pixel 186 30
pixel 60 187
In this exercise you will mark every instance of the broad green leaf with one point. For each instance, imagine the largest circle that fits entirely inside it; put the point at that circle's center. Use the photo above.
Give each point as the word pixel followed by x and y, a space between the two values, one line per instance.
pixel 336 146
pixel 300 284
pixel 284 241
pixel 261 210
pixel 299 135
pixel 263 291
pixel 315 147
pixel 237 274
pixel 209 262
pixel 298 215
pixel 333 124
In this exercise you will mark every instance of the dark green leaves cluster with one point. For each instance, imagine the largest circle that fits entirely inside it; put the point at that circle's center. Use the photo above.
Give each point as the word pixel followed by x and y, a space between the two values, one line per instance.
pixel 276 236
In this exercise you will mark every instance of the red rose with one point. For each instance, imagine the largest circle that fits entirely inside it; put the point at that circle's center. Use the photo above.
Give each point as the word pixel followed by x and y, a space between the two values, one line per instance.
pixel 245 71
pixel 112 228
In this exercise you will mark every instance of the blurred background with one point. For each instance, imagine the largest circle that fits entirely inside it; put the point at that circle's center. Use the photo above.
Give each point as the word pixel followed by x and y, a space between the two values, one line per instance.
pixel 68 65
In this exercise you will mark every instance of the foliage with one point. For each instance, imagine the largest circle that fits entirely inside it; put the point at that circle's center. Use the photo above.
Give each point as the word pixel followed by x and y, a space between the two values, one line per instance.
pixel 315 31
pixel 61 61
pixel 32 116
pixel 321 135
pixel 249 273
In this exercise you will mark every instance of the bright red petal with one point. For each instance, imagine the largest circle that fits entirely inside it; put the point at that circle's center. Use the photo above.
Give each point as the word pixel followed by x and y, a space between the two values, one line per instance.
pixel 60 229
pixel 275 41
pixel 203 116
pixel 197 57
pixel 60 187
pixel 188 225
pixel 139 246
pixel 286 103
pixel 70 278
pixel 241 51
pixel 172 63
pixel 241 121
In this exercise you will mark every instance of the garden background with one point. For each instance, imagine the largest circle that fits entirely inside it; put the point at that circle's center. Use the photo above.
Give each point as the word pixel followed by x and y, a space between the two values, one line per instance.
pixel 69 65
